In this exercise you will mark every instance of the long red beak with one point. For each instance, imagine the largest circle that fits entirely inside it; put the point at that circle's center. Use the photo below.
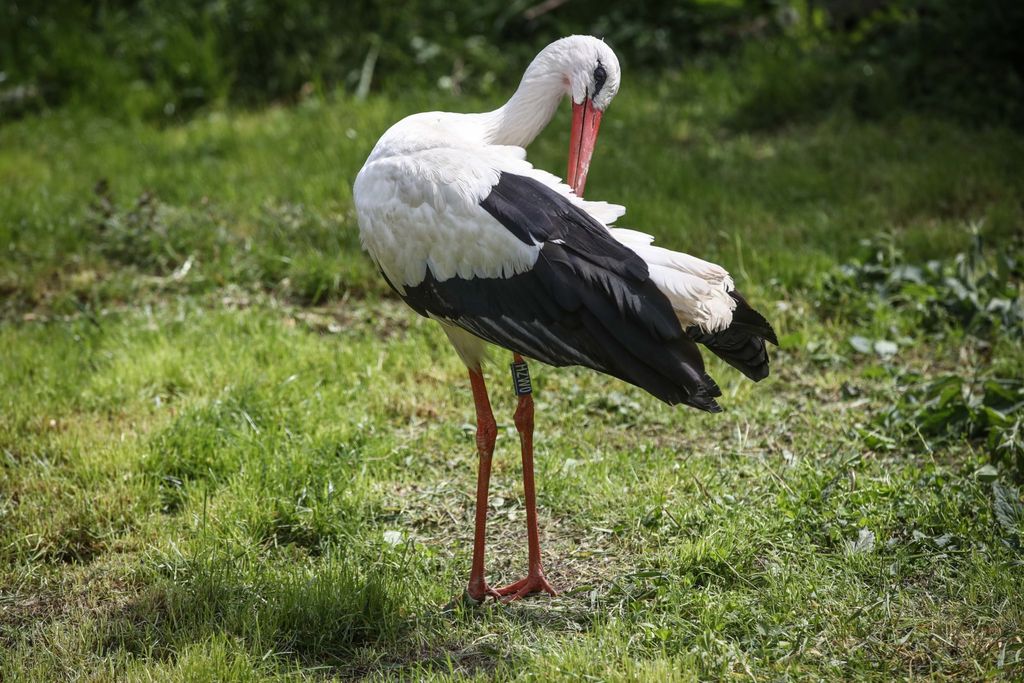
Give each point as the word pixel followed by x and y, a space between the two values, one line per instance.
pixel 585 122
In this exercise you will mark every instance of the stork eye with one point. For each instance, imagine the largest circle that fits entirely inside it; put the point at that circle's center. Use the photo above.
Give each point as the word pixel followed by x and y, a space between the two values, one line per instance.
pixel 600 76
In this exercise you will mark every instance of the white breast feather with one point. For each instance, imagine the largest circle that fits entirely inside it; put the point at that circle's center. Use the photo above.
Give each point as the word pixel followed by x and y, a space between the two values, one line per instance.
pixel 422 210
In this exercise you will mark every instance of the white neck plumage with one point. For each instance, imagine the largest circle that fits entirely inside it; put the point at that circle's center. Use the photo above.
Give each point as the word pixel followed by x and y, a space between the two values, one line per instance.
pixel 534 102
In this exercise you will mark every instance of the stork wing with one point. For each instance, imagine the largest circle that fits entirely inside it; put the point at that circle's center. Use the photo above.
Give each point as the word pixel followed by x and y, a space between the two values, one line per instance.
pixel 550 282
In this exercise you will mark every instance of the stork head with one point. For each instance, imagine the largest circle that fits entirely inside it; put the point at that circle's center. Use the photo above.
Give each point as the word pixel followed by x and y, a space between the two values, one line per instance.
pixel 586 70
pixel 593 80
pixel 589 67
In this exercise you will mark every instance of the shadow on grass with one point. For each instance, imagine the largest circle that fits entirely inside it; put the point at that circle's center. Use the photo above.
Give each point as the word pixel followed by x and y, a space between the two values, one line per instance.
pixel 479 648
pixel 337 614
pixel 318 614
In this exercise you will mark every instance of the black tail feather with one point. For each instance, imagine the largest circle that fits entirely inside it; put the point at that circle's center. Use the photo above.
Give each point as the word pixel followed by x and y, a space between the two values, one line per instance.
pixel 742 344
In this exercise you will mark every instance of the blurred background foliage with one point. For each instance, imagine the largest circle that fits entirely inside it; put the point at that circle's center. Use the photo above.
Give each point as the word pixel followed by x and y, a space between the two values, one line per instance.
pixel 166 60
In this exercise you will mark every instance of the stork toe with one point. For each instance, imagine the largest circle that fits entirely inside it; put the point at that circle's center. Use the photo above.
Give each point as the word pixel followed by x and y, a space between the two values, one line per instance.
pixel 531 584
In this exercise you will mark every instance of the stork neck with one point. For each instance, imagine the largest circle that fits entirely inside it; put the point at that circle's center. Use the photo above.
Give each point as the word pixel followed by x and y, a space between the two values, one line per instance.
pixel 529 110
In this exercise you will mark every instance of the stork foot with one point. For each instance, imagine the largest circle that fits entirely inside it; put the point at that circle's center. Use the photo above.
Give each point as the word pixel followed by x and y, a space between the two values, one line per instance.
pixel 464 600
pixel 476 593
pixel 533 583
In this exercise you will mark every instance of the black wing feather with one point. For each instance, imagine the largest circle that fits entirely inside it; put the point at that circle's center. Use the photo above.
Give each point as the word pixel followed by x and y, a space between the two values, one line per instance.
pixel 588 300
pixel 742 344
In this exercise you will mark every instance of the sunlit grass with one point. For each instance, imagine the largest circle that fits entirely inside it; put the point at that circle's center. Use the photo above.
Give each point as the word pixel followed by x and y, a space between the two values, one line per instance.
pixel 228 455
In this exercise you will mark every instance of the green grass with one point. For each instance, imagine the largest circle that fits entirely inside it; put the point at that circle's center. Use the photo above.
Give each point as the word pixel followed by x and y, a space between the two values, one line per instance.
pixel 212 413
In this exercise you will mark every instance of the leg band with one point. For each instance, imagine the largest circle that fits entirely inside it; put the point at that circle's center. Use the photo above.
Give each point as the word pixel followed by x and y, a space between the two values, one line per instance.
pixel 521 378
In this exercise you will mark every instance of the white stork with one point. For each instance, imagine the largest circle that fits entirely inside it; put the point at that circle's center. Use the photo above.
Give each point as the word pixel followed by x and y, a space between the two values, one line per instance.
pixel 468 233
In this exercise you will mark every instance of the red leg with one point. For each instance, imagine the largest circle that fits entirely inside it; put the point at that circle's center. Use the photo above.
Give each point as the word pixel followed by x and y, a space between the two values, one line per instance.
pixel 486 434
pixel 534 581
